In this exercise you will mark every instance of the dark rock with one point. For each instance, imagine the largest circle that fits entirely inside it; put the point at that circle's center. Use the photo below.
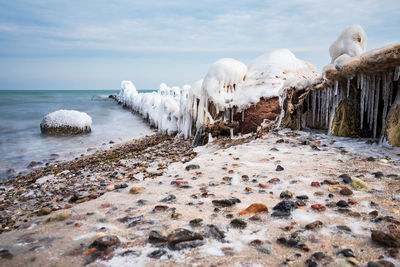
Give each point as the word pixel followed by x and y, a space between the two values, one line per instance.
pixel 342 204
pixel 318 255
pixel 285 205
pixel 346 178
pixel 344 228
pixel 215 232
pixel 192 167
pixel 378 174
pixel 279 168
pixel 312 264
pixel 392 175
pixel 169 199
pixel 156 238
pixel 178 239
pixel 105 242
pixel 130 253
pixel 302 197
pixel 135 221
pixel 160 208
pixel 121 186
pixel 156 254
pixel 280 213
pixel 5 254
pixel 347 253
pixel 381 263
pixel 384 239
pixel 196 222
pixel 238 223
pixel 226 202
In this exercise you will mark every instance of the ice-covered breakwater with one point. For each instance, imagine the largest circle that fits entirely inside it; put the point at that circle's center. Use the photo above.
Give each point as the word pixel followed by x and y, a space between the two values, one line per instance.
pixel 229 87
pixel 356 95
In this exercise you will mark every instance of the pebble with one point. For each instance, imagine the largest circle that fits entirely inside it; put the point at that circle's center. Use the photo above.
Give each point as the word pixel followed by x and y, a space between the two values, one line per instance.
pixel 5 254
pixel 346 191
pixel 182 238
pixel 226 202
pixel 384 239
pixel 60 216
pixel 156 254
pixel 359 184
pixel 254 208
pixel 105 242
pixel 196 222
pixel 238 223
pixel 215 232
pixel 345 178
pixel 192 167
pixel 347 253
pixel 156 238
pixel 136 190
pixel 286 194
pixel 318 207
pixel 44 211
pixel 342 204
pixel 169 199
pixel 314 225
pixel 380 263
pixel 315 184
pixel 279 168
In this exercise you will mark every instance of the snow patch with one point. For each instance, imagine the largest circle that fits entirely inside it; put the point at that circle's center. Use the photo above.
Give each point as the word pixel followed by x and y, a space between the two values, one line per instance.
pixel 64 117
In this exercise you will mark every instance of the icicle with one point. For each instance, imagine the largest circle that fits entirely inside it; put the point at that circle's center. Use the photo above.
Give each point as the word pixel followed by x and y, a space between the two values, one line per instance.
pixel 327 106
pixel 385 97
pixel 348 87
pixel 336 86
pixel 210 138
pixel 231 132
pixel 358 81
pixel 243 116
pixel 375 119
pixel 396 74
pixel 390 85
pixel 314 104
pixel 362 99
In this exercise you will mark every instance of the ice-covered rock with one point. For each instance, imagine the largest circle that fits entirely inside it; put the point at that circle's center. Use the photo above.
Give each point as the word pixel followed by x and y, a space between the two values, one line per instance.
pixel 351 42
pixel 66 122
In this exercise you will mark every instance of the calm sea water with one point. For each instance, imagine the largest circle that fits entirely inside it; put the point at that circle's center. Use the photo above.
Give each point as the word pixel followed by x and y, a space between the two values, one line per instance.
pixel 22 111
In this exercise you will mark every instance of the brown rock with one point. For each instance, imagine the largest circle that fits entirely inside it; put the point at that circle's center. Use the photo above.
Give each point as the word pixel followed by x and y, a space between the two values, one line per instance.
pixel 255 115
pixel 346 191
pixel 44 211
pixel 314 225
pixel 254 208
pixel 136 190
pixel 384 239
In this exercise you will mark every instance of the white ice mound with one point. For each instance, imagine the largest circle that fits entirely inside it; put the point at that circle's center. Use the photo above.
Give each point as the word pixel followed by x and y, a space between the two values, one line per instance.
pixel 351 42
pixel 271 73
pixel 222 80
pixel 66 122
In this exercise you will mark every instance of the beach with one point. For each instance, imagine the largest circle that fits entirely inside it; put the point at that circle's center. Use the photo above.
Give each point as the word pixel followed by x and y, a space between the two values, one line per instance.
pixel 158 201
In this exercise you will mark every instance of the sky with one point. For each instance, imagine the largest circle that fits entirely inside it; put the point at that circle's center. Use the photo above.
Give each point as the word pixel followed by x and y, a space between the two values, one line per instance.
pixel 95 44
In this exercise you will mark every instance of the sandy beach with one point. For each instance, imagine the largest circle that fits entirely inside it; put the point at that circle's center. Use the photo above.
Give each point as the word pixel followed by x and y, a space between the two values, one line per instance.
pixel 160 207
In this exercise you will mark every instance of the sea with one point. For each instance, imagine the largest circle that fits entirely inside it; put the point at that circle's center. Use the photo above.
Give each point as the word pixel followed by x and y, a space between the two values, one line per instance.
pixel 21 112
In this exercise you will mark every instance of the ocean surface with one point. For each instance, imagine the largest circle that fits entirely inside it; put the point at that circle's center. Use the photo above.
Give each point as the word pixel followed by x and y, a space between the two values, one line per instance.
pixel 21 113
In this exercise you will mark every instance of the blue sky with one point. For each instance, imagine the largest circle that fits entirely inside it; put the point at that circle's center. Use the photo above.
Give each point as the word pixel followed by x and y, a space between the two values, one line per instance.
pixel 94 44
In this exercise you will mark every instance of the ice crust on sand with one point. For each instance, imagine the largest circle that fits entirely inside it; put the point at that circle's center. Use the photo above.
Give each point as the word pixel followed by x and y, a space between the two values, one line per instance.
pixel 70 118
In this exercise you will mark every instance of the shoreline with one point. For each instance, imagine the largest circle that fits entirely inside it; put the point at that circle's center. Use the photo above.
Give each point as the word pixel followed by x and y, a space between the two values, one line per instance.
pixel 18 193
pixel 137 219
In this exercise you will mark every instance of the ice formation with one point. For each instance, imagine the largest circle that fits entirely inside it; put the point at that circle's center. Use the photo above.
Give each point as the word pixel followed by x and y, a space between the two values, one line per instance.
pixel 229 86
pixel 70 118
pixel 351 42
pixel 161 108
